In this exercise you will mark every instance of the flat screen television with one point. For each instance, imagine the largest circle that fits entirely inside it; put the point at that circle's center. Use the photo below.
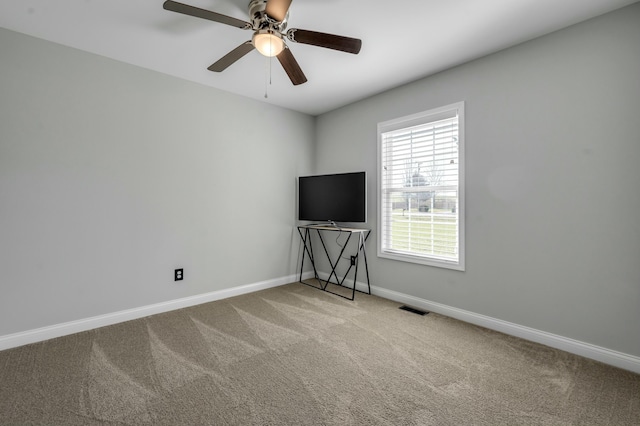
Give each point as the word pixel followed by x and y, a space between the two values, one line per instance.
pixel 338 197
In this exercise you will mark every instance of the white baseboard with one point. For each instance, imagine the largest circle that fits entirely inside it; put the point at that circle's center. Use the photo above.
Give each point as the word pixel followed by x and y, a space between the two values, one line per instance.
pixel 58 330
pixel 587 350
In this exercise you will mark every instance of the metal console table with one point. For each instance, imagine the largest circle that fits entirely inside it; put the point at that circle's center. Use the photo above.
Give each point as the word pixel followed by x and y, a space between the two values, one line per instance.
pixel 305 232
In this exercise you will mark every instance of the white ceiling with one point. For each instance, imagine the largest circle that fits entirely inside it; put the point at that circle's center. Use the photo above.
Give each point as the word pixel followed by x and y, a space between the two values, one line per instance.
pixel 402 40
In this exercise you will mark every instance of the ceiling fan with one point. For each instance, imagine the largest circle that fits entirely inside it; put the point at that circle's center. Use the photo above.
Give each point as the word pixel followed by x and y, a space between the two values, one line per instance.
pixel 268 23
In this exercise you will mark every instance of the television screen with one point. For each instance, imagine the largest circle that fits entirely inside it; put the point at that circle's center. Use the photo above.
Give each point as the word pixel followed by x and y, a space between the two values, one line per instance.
pixel 333 198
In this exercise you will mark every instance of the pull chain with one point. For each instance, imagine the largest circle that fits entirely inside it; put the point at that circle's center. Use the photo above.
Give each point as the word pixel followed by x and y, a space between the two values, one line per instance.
pixel 267 79
pixel 270 57
pixel 267 76
pixel 268 72
pixel 269 61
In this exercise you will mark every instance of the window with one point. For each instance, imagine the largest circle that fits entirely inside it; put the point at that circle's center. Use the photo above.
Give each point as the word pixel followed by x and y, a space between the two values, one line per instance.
pixel 421 188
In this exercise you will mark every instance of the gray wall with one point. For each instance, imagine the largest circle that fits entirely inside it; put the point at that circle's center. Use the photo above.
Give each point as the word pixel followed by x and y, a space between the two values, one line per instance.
pixel 111 176
pixel 553 198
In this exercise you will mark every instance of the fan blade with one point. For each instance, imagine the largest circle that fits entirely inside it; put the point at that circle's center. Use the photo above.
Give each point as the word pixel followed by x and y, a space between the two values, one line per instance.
pixel 277 9
pixel 291 66
pixel 185 9
pixel 330 41
pixel 231 57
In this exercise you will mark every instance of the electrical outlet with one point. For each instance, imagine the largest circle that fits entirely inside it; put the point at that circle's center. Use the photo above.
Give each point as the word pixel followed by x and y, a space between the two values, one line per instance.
pixel 178 274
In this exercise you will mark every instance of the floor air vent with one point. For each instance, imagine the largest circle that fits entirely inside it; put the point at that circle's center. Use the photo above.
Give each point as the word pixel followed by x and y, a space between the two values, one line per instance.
pixel 413 310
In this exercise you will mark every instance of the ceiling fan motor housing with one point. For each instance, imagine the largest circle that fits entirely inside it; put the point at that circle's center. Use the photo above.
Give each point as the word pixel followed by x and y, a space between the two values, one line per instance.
pixel 261 21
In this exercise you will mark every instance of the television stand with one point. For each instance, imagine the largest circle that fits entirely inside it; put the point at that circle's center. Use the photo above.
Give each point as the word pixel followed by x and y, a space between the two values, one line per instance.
pixel 305 232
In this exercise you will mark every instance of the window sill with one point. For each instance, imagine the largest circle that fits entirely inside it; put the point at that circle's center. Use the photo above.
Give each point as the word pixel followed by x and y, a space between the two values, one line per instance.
pixel 421 260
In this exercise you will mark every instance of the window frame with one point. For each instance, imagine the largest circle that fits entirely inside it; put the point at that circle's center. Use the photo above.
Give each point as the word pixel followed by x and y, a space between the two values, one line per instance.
pixel 422 118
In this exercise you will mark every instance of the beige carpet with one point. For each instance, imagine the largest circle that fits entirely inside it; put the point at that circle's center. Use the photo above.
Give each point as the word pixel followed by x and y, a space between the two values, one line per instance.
pixel 294 355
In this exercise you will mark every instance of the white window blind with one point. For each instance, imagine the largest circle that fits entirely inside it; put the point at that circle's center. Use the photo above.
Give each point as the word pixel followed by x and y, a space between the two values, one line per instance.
pixel 420 170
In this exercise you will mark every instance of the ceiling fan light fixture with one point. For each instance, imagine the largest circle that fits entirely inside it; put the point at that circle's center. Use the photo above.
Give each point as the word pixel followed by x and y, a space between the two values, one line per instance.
pixel 268 43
